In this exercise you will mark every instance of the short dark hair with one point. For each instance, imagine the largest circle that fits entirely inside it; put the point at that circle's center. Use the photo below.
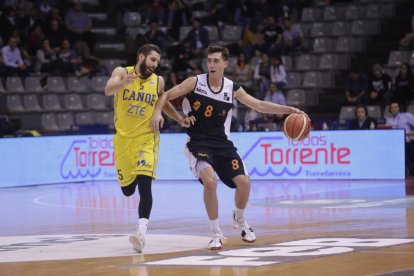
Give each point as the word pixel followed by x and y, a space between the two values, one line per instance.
pixel 363 107
pixel 147 48
pixel 219 49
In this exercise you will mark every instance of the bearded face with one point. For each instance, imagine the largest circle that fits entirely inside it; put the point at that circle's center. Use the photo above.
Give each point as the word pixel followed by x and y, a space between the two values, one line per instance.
pixel 144 70
pixel 148 64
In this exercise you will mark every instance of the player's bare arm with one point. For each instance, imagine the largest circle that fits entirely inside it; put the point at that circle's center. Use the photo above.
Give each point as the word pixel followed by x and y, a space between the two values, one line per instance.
pixel 170 110
pixel 264 106
pixel 182 89
pixel 119 78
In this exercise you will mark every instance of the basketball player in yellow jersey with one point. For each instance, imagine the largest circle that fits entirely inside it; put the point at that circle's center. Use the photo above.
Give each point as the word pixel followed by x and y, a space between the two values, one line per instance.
pixel 136 90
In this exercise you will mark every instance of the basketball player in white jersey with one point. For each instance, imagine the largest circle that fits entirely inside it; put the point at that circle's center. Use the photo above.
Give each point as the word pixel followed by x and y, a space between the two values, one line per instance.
pixel 209 98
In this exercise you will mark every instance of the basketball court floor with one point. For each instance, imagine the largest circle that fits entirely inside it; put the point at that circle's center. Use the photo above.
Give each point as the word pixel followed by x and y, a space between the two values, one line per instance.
pixel 302 228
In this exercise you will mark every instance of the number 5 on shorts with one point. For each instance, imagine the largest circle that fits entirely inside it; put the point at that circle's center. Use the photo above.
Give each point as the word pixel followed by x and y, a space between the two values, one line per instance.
pixel 120 176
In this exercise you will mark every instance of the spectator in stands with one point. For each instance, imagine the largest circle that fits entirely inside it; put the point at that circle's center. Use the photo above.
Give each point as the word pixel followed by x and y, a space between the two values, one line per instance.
pixel 252 40
pixel 273 36
pixel 379 87
pixel 278 72
pixel 404 85
pixel 55 15
pixel 403 120
pixel 243 72
pixel 275 95
pixel 155 11
pixel 185 60
pixel 35 40
pixel 198 37
pixel 56 34
pixel 406 43
pixel 252 119
pixel 262 76
pixel 158 37
pixel 79 25
pixel 356 86
pixel 8 23
pixel 46 59
pixel 293 38
pixel 12 58
pixel 177 14
pixel 170 82
pixel 28 22
pixel 69 60
pixel 45 7
pixel 244 12
pixel 362 120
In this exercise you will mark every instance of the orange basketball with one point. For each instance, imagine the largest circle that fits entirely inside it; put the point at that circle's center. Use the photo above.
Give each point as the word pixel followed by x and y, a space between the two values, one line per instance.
pixel 296 126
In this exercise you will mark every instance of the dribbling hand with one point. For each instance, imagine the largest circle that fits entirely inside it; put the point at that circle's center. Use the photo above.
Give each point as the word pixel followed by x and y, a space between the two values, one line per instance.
pixel 188 121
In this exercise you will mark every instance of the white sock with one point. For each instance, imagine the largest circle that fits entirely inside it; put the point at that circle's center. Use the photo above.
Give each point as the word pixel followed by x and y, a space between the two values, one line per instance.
pixel 215 227
pixel 142 225
pixel 239 213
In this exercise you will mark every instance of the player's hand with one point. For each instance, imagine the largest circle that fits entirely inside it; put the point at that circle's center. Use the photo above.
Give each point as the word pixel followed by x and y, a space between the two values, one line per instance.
pixel 157 121
pixel 297 110
pixel 188 121
pixel 129 79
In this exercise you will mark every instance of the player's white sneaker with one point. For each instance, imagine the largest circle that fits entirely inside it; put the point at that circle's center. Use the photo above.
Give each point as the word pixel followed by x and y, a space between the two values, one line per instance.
pixel 216 242
pixel 247 232
pixel 138 242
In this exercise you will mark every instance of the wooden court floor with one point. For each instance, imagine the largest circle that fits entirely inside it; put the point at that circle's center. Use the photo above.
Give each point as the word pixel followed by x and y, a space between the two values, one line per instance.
pixel 302 228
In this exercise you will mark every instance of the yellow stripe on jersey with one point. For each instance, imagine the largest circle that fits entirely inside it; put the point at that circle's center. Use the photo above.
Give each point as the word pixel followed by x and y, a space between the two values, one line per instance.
pixel 134 105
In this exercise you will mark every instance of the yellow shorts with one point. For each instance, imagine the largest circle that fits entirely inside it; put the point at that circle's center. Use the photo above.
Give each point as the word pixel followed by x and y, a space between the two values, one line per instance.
pixel 136 156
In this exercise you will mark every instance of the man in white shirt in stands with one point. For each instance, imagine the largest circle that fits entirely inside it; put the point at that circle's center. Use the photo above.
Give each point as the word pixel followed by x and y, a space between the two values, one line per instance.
pixel 12 58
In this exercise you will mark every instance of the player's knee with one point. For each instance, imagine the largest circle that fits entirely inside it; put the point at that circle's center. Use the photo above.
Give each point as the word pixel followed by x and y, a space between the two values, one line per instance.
pixel 210 183
pixel 242 181
pixel 127 192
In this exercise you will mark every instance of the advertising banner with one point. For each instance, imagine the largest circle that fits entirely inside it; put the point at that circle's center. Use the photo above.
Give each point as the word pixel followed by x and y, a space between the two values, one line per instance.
pixel 267 155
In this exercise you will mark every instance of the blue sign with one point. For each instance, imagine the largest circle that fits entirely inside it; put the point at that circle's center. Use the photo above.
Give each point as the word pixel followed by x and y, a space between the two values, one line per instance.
pixel 267 155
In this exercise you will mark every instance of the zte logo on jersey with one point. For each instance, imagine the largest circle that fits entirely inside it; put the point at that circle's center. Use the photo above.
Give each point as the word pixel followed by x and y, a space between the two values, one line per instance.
pixel 202 91
pixel 202 154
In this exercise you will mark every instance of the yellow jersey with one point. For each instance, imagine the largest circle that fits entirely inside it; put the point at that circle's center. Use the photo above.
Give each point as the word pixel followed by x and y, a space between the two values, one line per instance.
pixel 134 105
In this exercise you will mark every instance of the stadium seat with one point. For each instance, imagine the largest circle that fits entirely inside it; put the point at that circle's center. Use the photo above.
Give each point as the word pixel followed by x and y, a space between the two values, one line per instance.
pixel 84 118
pixel 349 44
pixel 319 29
pixel 95 101
pixel 56 84
pixel 213 34
pixel 410 109
pixel 305 62
pixel 311 14
pixel 333 13
pixel 293 79
pixel 183 31
pixel 80 85
pixel 132 19
pixel 322 45
pixel 287 62
pixel 373 11
pixel 14 84
pixel 374 111
pixel 312 79
pixel 333 62
pixel 33 84
pixel 347 113
pixel 232 33
pixel 2 90
pixel 296 97
pixel 340 28
pixel 51 102
pixel 104 118
pixel 31 102
pixel 396 58
pixel 14 103
pixel 73 102
pixel 65 121
pixel 353 12
pixel 111 64
pixel 98 83
pixel 49 123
